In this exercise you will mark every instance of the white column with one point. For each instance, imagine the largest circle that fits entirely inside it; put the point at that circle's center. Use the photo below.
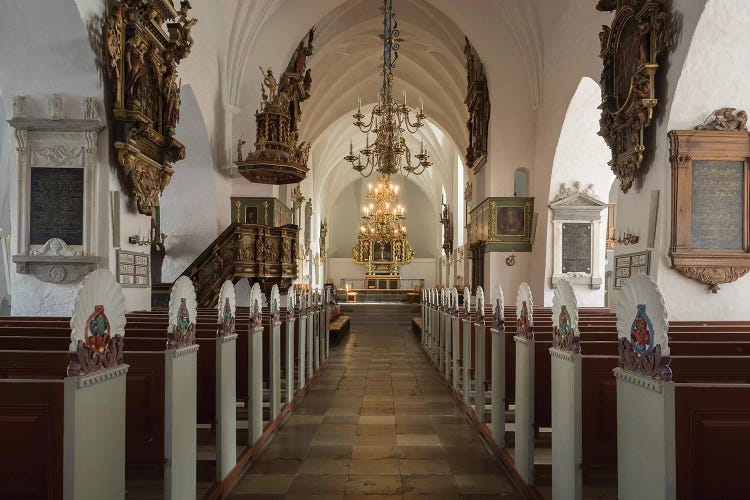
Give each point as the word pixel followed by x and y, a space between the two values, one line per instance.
pixel 448 342
pixel 567 440
pixel 275 368
pixel 524 438
pixel 255 384
pixel 455 347
pixel 226 405
pixel 645 437
pixel 317 335
pixel 91 442
pixel 498 387
pixel 180 423
pixel 310 341
pixel 302 346
pixel 289 356
pixel 466 387
pixel 479 395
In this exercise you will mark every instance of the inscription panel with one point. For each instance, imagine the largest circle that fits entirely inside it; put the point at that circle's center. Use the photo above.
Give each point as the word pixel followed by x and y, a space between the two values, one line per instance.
pixel 717 218
pixel 627 266
pixel 56 208
pixel 133 269
pixel 576 248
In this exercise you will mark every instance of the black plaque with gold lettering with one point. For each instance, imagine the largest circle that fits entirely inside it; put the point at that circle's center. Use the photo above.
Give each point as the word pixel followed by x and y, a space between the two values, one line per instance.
pixel 576 248
pixel 716 218
pixel 56 205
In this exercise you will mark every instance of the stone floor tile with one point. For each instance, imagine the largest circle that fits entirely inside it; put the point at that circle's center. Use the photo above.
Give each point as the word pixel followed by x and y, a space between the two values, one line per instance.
pixel 372 452
pixel 276 466
pixel 417 439
pixel 274 484
pixel 323 466
pixel 368 485
pixel 377 420
pixel 430 485
pixel 484 484
pixel 310 484
pixel 329 451
pixel 377 467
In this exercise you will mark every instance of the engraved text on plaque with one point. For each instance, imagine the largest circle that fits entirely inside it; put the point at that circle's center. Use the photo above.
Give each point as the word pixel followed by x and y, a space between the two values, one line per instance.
pixel 576 248
pixel 716 205
pixel 56 209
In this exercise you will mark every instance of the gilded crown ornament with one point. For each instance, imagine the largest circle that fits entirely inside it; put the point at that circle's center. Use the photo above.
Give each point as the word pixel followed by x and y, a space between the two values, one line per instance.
pixel 388 154
pixel 144 41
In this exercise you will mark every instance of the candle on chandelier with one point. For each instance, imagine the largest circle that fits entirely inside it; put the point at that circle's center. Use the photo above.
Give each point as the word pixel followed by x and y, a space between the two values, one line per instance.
pixel 421 106
pixel 369 187
pixel 359 105
pixel 404 98
pixel 351 147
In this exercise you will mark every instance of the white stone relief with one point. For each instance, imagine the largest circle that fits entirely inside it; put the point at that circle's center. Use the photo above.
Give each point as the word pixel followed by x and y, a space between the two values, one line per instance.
pixel 56 246
pixel 57 155
pixel 19 106
pixel 90 108
pixel 55 107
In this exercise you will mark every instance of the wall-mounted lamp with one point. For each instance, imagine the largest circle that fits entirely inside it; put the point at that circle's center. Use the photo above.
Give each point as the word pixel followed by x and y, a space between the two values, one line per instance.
pixel 510 260
pixel 137 240
pixel 628 238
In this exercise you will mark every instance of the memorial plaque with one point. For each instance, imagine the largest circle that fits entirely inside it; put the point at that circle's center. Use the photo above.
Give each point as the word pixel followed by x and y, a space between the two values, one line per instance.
pixel 717 218
pixel 576 248
pixel 133 269
pixel 56 207
pixel 627 266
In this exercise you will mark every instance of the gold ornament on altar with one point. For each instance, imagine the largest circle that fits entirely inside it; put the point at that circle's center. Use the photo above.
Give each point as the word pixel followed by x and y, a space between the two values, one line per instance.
pixel 631 49
pixel 382 243
pixel 142 50
pixel 279 157
pixel 388 121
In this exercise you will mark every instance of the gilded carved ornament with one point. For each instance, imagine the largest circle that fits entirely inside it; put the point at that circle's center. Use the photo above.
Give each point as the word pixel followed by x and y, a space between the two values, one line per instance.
pixel 631 50
pixel 144 41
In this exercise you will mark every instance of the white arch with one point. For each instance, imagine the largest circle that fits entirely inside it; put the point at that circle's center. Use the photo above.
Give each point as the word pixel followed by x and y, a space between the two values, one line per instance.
pixel 581 156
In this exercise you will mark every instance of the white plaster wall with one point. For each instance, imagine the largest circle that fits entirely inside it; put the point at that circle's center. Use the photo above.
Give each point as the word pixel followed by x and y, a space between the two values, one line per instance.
pixel 711 45
pixel 4 170
pixel 188 205
pixel 421 218
pixel 581 156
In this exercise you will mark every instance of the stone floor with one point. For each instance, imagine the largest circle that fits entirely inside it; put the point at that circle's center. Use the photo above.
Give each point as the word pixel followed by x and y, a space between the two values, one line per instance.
pixel 378 422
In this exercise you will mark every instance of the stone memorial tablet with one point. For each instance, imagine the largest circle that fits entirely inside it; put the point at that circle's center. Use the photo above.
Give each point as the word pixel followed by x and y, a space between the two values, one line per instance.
pixel 576 248
pixel 716 218
pixel 56 209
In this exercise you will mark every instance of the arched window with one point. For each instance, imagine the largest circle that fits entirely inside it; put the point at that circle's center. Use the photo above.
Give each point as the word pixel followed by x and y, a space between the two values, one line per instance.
pixel 521 182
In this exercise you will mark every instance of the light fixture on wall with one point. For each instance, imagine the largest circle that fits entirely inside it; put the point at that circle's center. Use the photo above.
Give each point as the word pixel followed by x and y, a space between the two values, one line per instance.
pixel 389 154
pixel 628 238
pixel 510 260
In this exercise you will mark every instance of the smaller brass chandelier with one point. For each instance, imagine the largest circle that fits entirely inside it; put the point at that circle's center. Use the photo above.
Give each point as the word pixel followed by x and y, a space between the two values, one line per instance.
pixel 384 217
pixel 388 121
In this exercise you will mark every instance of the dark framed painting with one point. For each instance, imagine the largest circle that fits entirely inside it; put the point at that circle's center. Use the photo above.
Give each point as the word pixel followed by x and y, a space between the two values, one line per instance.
pixel 510 221
pixel 251 215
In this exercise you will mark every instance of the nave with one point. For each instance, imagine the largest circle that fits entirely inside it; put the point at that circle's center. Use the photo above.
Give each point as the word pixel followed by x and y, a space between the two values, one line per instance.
pixel 378 421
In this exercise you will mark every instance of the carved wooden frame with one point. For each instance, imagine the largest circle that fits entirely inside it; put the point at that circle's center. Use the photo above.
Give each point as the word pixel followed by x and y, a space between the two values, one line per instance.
pixel 711 267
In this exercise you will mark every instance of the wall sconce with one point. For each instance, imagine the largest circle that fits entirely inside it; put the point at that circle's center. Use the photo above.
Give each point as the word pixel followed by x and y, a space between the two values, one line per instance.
pixel 510 260
pixel 628 238
pixel 137 240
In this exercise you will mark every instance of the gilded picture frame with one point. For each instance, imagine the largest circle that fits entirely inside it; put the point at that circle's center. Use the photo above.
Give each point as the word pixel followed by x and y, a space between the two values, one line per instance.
pixel 505 223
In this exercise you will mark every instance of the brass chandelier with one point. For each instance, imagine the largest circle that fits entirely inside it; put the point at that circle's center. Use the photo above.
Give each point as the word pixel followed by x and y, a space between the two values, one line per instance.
pixel 384 217
pixel 389 154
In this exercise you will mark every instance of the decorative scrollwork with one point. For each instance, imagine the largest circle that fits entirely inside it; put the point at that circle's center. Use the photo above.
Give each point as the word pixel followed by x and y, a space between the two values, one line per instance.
pixel 630 49
pixel 713 276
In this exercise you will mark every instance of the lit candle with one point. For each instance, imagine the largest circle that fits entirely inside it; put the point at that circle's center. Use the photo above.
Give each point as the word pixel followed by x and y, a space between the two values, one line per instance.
pixel 351 147
pixel 404 98
pixel 421 105
pixel 359 105
pixel 369 187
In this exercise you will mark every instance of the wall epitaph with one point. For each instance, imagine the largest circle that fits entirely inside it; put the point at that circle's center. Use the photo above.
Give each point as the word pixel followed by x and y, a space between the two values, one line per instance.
pixel 630 49
pixel 711 199
pixel 142 50
pixel 478 104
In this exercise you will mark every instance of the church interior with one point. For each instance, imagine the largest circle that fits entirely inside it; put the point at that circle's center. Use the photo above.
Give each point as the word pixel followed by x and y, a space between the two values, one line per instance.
pixel 374 248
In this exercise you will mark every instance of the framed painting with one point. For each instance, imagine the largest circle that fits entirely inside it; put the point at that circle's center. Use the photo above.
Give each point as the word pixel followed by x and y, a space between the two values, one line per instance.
pixel 506 224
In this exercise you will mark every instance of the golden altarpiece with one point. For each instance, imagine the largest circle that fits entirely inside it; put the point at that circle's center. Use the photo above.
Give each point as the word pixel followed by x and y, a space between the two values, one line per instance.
pixel 382 245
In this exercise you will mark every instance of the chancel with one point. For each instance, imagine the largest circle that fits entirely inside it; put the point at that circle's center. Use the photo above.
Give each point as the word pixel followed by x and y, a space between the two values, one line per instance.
pixel 342 248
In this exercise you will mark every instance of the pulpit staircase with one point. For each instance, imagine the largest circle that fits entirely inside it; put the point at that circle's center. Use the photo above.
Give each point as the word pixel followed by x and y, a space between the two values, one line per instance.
pixel 260 253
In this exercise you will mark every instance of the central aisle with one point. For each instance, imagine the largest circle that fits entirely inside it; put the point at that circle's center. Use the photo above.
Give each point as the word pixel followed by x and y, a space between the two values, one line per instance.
pixel 378 421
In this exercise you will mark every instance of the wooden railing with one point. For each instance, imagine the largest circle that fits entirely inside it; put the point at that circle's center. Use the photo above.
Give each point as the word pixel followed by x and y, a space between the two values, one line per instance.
pixel 257 252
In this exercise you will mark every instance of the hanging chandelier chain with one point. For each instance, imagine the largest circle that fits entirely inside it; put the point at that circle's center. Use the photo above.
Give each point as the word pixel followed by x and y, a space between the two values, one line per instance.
pixel 388 154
